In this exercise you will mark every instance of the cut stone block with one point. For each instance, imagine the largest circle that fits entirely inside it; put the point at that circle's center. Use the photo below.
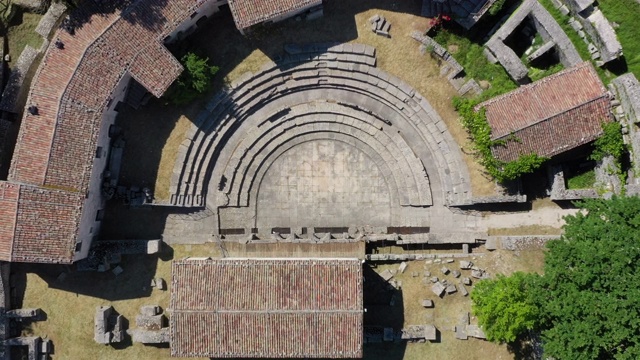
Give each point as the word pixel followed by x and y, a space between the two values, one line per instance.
pixel 465 265
pixel 438 289
pixel 445 270
pixel 117 270
pixel 463 290
pixel 456 274
pixel 150 310
pixel 387 334
pixel 427 303
pixel 386 275
pixel 402 267
pixel 451 289
pixel 466 281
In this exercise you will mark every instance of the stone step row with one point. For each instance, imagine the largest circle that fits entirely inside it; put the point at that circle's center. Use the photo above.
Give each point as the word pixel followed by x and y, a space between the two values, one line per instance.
pixel 272 83
pixel 391 142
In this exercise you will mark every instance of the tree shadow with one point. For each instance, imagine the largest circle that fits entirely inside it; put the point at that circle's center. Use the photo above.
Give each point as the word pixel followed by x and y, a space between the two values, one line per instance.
pixel 527 346
pixel 148 14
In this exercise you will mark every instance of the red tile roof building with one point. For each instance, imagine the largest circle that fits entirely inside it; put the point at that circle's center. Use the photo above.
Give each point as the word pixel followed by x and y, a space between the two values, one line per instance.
pixel 247 13
pixel 276 308
pixel 549 116
pixel 75 90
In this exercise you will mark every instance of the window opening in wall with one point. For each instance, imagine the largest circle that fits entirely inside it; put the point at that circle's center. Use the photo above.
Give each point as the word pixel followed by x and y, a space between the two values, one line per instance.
pixel 194 14
pixel 78 246
pixel 99 152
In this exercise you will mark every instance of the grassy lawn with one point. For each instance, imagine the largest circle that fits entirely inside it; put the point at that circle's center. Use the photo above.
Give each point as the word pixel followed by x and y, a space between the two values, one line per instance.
pixel 585 180
pixel 625 13
pixel 22 33
pixel 70 305
pixel 470 55
pixel 150 158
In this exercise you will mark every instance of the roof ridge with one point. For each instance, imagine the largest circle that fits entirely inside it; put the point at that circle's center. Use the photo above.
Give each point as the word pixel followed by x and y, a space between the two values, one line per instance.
pixel 552 116
pixel 535 84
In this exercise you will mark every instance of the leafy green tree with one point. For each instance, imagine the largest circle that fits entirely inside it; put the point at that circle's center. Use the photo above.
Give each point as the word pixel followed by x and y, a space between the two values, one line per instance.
pixel 505 306
pixel 194 80
pixel 590 293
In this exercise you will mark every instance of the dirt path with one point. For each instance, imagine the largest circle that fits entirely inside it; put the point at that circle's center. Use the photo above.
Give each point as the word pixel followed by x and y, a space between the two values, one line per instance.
pixel 546 216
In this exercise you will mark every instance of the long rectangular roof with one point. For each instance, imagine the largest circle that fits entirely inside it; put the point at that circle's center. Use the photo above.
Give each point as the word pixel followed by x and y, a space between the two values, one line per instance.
pixel 549 116
pixel 267 308
pixel 247 13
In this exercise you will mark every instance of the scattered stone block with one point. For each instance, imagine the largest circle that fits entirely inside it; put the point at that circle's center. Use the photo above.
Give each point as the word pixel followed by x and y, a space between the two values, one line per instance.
pixel 427 303
pixel 463 290
pixel 415 274
pixel 386 275
pixel 150 310
pixel 478 274
pixel 476 332
pixel 438 289
pixel 461 332
pixel 434 279
pixel 465 265
pixel 117 270
pixel 427 273
pixel 153 246
pixel 444 270
pixel 450 289
pixel 466 281
pixel 155 322
pixel 149 336
pixel 160 284
pixel 456 274
pixel 402 267
pixel 448 261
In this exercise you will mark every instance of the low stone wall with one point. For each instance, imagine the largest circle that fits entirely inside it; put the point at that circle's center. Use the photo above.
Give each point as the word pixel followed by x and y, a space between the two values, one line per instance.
pixel 452 68
pixel 627 90
pixel 559 190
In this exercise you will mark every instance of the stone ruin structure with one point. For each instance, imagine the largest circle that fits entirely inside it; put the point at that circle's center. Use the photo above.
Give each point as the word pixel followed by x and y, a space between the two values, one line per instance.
pixel 589 21
pixel 151 326
pixel 544 24
pixel 108 326
pixel 627 111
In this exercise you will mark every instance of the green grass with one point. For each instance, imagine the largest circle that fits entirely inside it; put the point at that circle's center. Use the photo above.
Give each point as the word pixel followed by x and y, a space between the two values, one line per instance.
pixel 626 14
pixel 22 33
pixel 585 180
pixel 470 56
pixel 536 74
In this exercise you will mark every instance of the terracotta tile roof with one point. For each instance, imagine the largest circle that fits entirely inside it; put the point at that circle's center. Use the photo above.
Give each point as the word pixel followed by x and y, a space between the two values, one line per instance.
pixel 267 308
pixel 44 226
pixel 250 12
pixel 73 85
pixel 549 116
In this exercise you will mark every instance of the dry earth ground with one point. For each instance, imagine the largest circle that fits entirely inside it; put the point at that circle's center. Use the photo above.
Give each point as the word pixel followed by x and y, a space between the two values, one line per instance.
pixel 159 128
pixel 70 304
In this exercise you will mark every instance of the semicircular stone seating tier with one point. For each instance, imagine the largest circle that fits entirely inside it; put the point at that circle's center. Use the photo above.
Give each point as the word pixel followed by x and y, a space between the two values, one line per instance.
pixel 322 92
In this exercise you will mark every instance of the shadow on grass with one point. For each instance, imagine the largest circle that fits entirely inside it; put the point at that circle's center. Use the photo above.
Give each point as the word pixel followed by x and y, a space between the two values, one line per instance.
pixel 526 347
pixel 134 282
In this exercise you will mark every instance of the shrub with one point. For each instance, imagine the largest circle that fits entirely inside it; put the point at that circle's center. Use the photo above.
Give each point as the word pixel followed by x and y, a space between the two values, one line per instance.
pixel 194 80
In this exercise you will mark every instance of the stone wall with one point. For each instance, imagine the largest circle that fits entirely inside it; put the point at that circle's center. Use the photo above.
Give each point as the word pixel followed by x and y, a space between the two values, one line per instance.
pixel 548 29
pixel 627 89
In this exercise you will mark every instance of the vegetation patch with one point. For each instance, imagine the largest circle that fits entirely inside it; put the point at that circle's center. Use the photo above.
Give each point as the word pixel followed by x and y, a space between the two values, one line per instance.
pixel 611 143
pixel 478 128
pixel 470 55
pixel 585 180
pixel 195 80
pixel 585 305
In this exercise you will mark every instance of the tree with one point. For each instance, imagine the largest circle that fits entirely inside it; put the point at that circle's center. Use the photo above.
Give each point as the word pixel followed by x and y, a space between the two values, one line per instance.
pixel 505 306
pixel 194 80
pixel 590 291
